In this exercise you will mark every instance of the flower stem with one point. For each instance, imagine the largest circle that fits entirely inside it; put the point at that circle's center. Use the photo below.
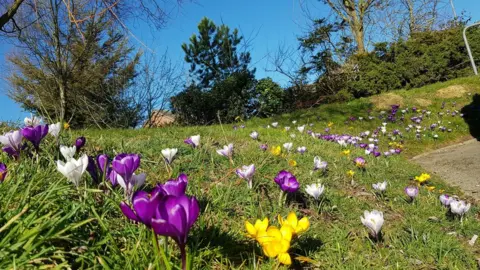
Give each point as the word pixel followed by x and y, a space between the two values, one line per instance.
pixel 280 199
pixel 162 253
pixel 184 256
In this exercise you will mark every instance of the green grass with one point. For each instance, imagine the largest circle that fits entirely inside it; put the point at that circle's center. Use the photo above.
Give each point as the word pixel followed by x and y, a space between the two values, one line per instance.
pixel 46 223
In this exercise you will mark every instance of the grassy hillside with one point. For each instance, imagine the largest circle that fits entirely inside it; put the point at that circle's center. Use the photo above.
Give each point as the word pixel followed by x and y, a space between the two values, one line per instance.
pixel 46 222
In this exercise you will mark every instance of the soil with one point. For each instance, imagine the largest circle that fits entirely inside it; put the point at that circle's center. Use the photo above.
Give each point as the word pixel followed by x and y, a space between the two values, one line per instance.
pixel 458 164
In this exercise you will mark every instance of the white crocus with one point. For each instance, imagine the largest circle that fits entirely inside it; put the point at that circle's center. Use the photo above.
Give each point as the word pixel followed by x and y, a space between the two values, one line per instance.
pixel 73 169
pixel 169 154
pixel 135 181
pixel 68 152
pixel 315 190
pixel 459 207
pixel 301 149
pixel 12 139
pixel 254 135
pixel 342 143
pixel 195 140
pixel 227 150
pixel 318 164
pixel 381 186
pixel 287 128
pixel 374 221
pixel 54 129
pixel 246 172
pixel 32 121
pixel 288 146
pixel 275 124
pixel 301 128
pixel 294 122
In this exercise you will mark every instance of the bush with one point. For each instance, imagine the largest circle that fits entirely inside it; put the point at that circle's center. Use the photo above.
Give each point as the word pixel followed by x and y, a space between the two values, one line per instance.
pixel 270 97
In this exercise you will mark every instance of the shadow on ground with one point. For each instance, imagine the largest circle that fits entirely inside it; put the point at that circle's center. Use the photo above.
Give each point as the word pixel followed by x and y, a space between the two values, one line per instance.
pixel 471 116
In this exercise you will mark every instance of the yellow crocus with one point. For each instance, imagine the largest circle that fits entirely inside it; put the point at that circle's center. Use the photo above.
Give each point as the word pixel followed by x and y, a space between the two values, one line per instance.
pixel 430 188
pixel 276 150
pixel 276 242
pixel 424 177
pixel 66 125
pixel 350 173
pixel 298 226
pixel 346 152
pixel 292 163
pixel 255 230
pixel 330 124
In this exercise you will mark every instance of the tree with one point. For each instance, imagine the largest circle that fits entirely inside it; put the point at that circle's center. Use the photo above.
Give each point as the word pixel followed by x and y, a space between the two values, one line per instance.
pixel 354 13
pixel 213 54
pixel 65 75
pixel 270 97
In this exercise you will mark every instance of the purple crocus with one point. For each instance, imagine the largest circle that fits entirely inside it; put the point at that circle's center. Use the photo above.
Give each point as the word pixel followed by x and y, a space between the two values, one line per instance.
pixel 144 206
pixel 125 166
pixel 175 217
pixel 263 147
pixel 92 169
pixel 175 187
pixel 80 142
pixel 3 171
pixel 35 134
pixel 412 192
pixel 287 181
pixel 360 162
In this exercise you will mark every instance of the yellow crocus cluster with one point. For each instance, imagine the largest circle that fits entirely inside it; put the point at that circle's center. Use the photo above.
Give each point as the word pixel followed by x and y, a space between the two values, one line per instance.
pixel 424 177
pixel 275 242
pixel 276 150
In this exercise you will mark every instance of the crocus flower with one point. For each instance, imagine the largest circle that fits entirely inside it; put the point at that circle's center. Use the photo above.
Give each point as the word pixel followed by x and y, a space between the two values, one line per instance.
pixel 68 152
pixel 276 151
pixel 301 128
pixel 33 121
pixel 288 146
pixel 411 192
pixel 315 190
pixel 276 242
pixel 298 226
pixel 360 162
pixel 54 129
pixel 125 166
pixel 445 199
pixel 374 221
pixel 175 187
pixel 275 124
pixel 459 207
pixel 80 142
pixel 301 149
pixel 73 169
pixel 287 181
pixel 350 173
pixel 35 134
pixel 227 150
pixel 318 164
pixel 3 171
pixel 169 154
pixel 174 217
pixel 287 128
pixel 194 141
pixel 103 164
pixel 424 177
pixel 246 172
pixel 255 230
pixel 254 135
pixel 12 142
pixel 144 206
pixel 381 186
pixel 92 169
pixel 263 147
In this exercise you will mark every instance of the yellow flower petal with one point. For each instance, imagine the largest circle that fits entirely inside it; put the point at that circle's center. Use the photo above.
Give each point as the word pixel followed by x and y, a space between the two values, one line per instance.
pixel 250 229
pixel 270 250
pixel 292 220
pixel 284 258
pixel 303 225
pixel 261 225
pixel 287 232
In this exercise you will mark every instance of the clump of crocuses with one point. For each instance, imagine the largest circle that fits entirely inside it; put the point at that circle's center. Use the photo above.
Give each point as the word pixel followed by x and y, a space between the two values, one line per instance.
pixel 167 211
pixel 288 184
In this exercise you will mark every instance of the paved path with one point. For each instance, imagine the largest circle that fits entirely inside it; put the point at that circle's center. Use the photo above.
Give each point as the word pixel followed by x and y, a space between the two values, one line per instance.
pixel 458 164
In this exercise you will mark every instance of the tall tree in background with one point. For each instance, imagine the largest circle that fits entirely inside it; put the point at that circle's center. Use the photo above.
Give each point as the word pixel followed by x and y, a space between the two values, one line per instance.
pixel 223 85
pixel 354 13
pixel 213 53
pixel 79 76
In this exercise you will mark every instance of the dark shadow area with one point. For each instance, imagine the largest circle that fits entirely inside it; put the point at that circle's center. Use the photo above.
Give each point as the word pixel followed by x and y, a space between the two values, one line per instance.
pixel 297 198
pixel 471 116
pixel 212 241
pixel 304 247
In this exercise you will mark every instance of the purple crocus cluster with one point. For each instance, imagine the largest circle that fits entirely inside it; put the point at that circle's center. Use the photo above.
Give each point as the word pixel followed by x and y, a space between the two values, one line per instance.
pixel 166 210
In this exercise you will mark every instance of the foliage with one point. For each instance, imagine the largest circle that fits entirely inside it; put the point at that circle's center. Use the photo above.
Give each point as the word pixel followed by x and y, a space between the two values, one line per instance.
pixel 80 77
pixel 227 100
pixel 270 97
pixel 213 55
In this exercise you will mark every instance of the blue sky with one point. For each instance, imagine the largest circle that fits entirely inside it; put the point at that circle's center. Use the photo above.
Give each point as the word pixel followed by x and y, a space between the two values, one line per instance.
pixel 266 22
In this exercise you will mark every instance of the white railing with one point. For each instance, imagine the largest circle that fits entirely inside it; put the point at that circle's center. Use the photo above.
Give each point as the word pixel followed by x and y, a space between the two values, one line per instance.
pixel 468 47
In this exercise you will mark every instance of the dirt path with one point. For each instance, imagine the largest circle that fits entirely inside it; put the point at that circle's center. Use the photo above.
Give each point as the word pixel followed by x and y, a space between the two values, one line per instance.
pixel 458 164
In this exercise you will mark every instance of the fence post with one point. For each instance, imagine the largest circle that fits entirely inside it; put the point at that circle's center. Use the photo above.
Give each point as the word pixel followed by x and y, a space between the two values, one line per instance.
pixel 468 47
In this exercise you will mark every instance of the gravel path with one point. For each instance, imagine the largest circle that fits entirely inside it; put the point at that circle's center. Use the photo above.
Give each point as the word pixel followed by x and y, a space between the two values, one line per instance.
pixel 458 164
